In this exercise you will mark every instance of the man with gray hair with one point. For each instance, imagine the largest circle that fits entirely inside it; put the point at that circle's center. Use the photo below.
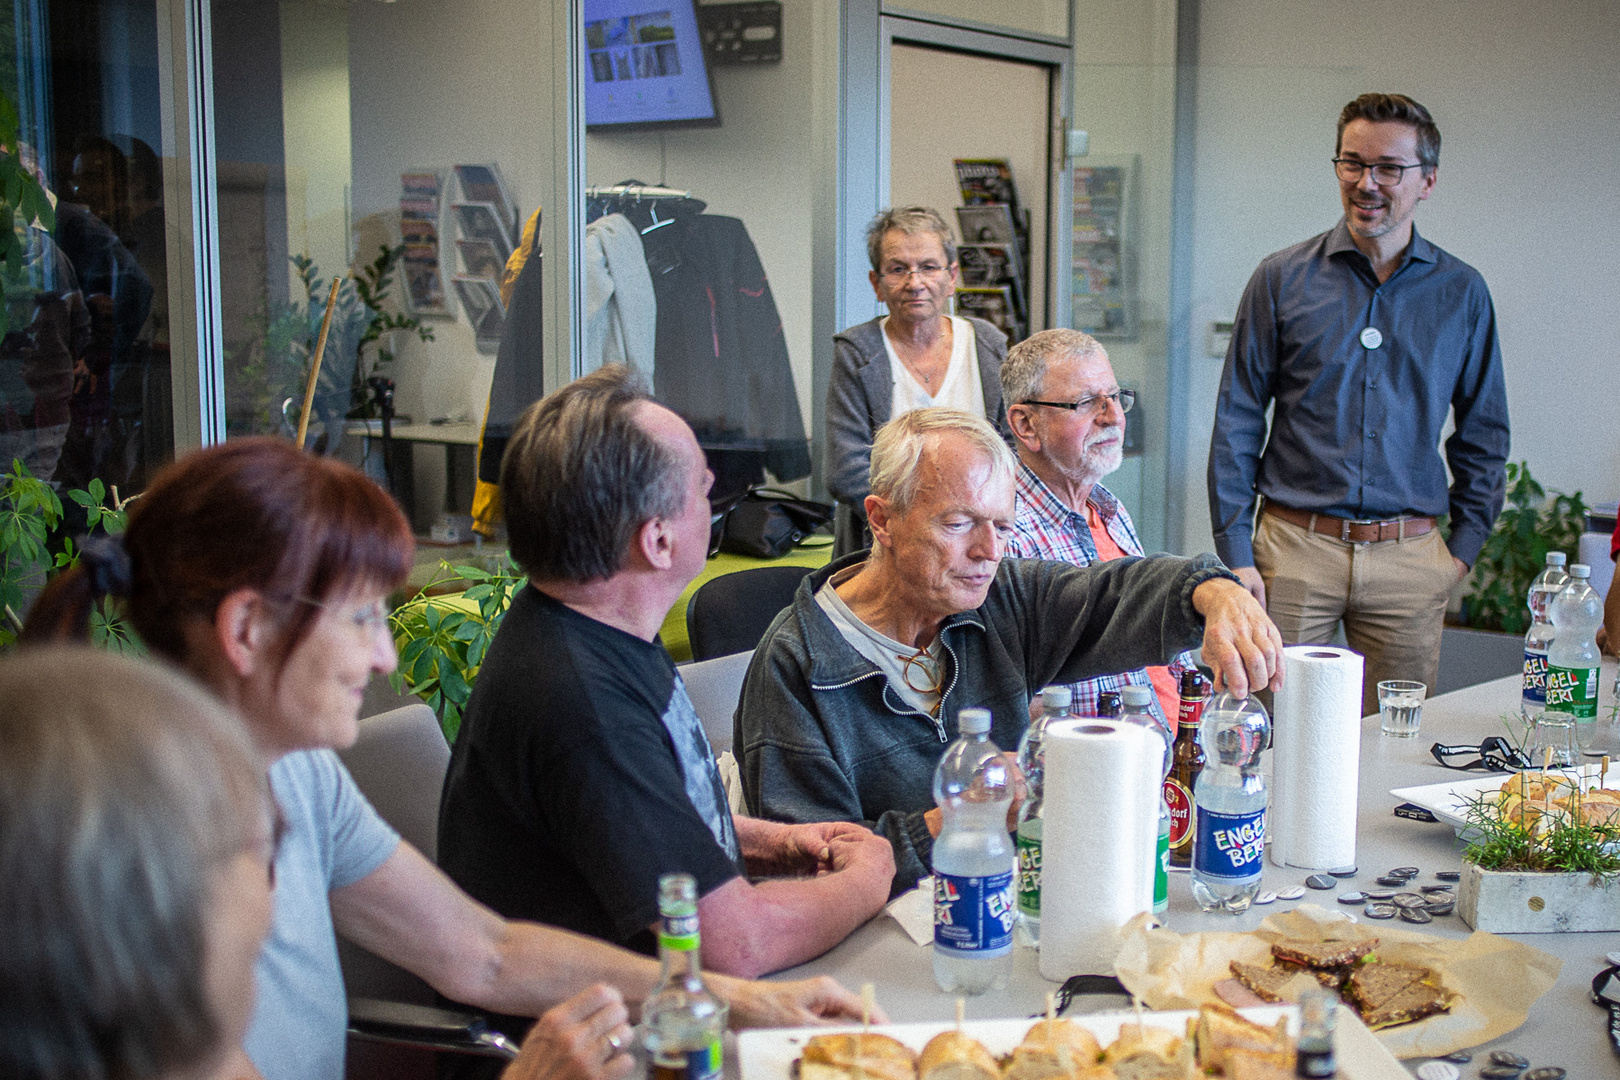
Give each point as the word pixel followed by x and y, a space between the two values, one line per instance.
pixel 918 355
pixel 581 773
pixel 856 688
pixel 1067 413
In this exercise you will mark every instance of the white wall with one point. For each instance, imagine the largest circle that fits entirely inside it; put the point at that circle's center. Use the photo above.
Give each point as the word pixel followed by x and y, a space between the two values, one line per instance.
pixel 1526 97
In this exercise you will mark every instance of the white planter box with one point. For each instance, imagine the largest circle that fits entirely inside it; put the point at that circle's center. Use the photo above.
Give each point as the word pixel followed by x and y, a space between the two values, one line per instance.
pixel 1511 903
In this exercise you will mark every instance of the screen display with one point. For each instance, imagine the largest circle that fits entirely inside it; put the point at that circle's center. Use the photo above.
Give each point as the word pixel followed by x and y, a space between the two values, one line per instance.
pixel 644 64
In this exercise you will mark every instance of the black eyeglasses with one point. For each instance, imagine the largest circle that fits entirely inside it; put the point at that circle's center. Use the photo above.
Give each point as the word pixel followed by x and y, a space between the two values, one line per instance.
pixel 1493 754
pixel 1384 173
pixel 1093 404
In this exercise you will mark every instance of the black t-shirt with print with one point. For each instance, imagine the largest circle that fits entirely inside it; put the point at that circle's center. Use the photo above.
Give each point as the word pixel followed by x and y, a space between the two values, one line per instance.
pixel 580 775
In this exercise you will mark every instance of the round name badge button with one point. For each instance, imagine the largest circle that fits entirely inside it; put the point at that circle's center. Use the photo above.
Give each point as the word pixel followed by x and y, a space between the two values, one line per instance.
pixel 1371 337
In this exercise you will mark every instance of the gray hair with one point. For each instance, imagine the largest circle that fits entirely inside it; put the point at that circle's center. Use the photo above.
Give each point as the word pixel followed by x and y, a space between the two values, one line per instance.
pixel 897 450
pixel 581 475
pixel 913 221
pixel 123 789
pixel 1023 373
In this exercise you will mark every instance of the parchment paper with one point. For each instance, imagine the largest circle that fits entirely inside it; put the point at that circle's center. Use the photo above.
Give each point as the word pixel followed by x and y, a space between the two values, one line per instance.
pixel 1495 980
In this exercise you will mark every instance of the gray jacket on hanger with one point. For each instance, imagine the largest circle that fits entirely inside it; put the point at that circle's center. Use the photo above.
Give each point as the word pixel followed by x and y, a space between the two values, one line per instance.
pixel 860 396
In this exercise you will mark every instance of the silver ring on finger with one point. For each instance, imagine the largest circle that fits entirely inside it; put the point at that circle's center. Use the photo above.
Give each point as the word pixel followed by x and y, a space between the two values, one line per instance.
pixel 614 1043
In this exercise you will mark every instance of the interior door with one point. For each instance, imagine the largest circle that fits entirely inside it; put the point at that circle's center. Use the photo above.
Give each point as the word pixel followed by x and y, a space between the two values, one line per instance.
pixel 946 105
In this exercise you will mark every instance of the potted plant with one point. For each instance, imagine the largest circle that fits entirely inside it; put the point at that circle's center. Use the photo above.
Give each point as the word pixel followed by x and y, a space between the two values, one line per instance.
pixel 442 639
pixel 1543 856
pixel 1533 522
pixel 29 511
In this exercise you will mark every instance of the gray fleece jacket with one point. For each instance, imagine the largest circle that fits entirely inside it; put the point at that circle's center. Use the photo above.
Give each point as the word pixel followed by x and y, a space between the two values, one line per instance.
pixel 820 735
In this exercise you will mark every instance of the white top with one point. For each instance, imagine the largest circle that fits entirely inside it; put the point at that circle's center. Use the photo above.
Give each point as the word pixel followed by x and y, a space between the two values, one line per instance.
pixel 889 655
pixel 960 389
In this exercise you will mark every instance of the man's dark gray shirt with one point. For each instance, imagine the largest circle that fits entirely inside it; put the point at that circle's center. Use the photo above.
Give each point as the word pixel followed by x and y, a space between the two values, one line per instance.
pixel 1356 430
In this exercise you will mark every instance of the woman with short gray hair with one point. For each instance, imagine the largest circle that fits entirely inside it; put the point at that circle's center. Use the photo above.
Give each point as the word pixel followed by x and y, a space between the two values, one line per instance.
pixel 135 853
pixel 917 356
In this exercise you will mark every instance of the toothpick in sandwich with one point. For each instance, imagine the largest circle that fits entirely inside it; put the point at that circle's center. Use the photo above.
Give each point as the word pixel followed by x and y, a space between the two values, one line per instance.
pixel 868 998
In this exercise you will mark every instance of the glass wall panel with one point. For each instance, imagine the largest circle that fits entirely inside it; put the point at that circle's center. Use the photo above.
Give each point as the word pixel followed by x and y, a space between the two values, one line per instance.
pixel 700 274
pixel 84 364
pixel 397 147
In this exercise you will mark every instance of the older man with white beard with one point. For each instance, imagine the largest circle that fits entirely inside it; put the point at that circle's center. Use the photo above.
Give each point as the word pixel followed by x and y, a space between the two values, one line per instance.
pixel 1067 412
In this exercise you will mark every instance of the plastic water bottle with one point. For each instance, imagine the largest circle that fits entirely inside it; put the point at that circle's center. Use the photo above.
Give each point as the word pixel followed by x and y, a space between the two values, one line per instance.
pixel 1540 635
pixel 1055 702
pixel 1138 710
pixel 974 908
pixel 1231 799
pixel 1573 660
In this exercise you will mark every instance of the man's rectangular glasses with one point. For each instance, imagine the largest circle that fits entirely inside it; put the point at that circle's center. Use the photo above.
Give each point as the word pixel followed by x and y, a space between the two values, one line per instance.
pixel 1092 405
pixel 1384 173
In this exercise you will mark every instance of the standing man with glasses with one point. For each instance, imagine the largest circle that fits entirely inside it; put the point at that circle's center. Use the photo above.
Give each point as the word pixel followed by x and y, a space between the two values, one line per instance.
pixel 1362 340
pixel 916 356
pixel 1067 413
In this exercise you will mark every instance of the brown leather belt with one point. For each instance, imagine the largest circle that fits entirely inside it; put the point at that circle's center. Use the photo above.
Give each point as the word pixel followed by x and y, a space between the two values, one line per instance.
pixel 1352 531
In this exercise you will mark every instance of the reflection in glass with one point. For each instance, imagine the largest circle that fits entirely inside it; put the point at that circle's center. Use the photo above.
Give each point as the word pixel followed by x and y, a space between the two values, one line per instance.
pixel 84 367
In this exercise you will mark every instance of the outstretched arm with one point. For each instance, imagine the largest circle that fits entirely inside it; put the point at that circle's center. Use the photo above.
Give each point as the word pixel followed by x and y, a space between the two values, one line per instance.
pixel 408 912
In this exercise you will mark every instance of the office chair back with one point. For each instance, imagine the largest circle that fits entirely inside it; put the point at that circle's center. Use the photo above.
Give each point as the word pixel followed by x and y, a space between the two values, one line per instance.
pixel 730 613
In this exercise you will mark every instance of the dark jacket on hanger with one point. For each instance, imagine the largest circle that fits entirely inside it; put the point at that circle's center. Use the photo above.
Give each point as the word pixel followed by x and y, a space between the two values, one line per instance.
pixel 722 360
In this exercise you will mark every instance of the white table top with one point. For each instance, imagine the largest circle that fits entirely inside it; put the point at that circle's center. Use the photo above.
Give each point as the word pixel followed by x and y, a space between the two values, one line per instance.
pixel 1564 1027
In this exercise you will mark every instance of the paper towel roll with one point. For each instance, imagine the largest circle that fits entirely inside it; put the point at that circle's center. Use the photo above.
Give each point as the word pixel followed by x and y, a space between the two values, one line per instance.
pixel 1099 840
pixel 1316 750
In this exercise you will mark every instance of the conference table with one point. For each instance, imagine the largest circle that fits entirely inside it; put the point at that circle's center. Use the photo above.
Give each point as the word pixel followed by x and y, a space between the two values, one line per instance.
pixel 1564 1027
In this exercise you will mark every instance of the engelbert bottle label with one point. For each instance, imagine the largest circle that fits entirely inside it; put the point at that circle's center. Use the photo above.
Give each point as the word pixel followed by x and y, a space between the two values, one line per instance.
pixel 974 914
pixel 1229 845
pixel 1535 677
pixel 1573 690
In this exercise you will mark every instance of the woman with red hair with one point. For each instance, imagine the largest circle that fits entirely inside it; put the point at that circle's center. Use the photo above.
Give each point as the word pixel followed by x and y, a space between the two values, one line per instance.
pixel 264 571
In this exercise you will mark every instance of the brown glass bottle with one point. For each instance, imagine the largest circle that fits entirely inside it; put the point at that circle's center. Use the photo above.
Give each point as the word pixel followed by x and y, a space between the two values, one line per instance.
pixel 1187 761
pixel 1108 704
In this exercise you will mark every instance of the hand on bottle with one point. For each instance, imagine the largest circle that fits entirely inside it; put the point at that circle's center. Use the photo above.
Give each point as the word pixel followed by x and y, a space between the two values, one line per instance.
pixel 581 1039
pixel 1241 644
pixel 1020 787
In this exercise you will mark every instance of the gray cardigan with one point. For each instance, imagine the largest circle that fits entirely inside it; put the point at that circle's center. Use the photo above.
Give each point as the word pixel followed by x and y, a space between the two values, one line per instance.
pixel 860 395
pixel 821 737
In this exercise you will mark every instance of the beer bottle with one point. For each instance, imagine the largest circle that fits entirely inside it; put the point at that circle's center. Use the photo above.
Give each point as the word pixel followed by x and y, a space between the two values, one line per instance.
pixel 1187 761
pixel 684 1021
pixel 1109 704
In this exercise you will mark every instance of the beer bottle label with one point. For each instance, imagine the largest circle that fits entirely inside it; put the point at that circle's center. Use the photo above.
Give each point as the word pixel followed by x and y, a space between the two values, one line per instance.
pixel 1573 690
pixel 1535 677
pixel 974 914
pixel 1029 874
pixel 1190 711
pixel 1180 801
pixel 1229 845
pixel 679 932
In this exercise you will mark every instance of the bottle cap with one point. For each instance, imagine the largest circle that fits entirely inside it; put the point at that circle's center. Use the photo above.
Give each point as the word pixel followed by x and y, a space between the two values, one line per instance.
pixel 1556 558
pixel 1580 570
pixel 1057 697
pixel 973 721
pixel 1136 695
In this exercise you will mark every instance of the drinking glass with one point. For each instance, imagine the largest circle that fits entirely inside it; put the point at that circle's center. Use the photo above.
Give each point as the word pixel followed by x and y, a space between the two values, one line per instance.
pixel 1400 707
pixel 1556 731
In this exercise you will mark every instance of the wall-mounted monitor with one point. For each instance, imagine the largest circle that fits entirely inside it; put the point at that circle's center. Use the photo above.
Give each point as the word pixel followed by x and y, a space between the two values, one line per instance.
pixel 644 66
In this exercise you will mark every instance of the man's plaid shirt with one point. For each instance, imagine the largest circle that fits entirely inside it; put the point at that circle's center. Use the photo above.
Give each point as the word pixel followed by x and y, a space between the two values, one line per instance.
pixel 1044 528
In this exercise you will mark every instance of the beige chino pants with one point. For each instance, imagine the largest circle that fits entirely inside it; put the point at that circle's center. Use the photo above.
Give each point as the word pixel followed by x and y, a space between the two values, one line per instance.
pixel 1391 596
